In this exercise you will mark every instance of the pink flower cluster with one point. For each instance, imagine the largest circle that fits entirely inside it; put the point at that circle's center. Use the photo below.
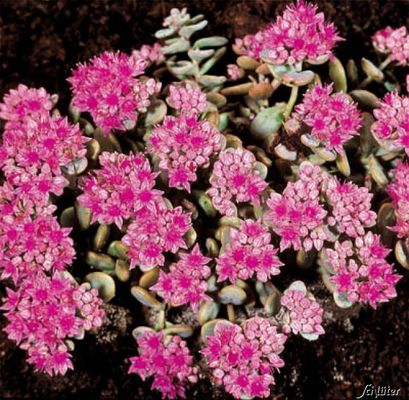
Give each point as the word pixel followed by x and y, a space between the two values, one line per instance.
pixel 361 271
pixel 244 358
pixel 44 312
pixel 189 100
pixel 123 186
pixel 31 244
pixel 333 117
pixel 394 42
pixel 46 140
pixel 37 146
pixel 399 192
pixel 35 185
pixel 248 253
pixel 296 215
pixel 24 103
pixel 108 89
pixel 13 205
pixel 233 72
pixel 123 189
pixel 184 144
pixel 300 34
pixel 235 178
pixel 304 315
pixel 185 283
pixel 391 124
pixel 151 53
pixel 302 213
pixel 168 360
pixel 143 89
pixel 153 232
pixel 89 306
pixel 350 207
pixel 46 309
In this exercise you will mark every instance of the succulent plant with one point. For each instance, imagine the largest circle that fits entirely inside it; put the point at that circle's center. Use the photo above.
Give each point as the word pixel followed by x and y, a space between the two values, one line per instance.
pixel 202 54
pixel 194 192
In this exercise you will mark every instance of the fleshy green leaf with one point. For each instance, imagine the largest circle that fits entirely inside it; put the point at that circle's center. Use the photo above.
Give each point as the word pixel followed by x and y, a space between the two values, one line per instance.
pixel 267 122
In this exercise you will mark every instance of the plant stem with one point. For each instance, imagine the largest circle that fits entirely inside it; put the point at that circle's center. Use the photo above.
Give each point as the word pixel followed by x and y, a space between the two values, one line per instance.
pixel 368 79
pixel 384 64
pixel 365 82
pixel 291 102
pixel 230 313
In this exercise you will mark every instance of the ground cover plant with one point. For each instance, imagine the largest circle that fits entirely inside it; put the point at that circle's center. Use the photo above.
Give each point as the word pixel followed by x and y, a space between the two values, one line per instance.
pixel 202 194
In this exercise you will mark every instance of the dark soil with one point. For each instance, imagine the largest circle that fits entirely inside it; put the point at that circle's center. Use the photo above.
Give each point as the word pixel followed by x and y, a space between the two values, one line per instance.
pixel 40 42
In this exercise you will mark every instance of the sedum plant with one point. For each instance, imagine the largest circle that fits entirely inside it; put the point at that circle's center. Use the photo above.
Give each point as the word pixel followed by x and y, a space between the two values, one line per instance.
pixel 205 194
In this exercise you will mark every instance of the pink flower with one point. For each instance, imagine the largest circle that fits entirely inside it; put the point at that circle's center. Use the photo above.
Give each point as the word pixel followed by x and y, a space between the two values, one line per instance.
pixel 297 215
pixel 153 232
pixel 361 271
pixel 235 179
pixel 249 252
pixel 184 144
pixel 300 34
pixel 185 283
pixel 52 361
pixel 303 314
pixel 108 89
pixel 44 312
pixel 251 45
pixel 152 53
pixel 143 89
pixel 399 192
pixel 302 214
pixel 24 103
pixel 188 99
pixel 35 184
pixel 89 306
pixel 243 358
pixel 46 140
pixel 16 204
pixel 394 42
pixel 333 117
pixel 167 360
pixel 124 185
pixel 391 126
pixel 369 247
pixel 33 244
pixel 233 72
pixel 351 207
pixel 38 148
